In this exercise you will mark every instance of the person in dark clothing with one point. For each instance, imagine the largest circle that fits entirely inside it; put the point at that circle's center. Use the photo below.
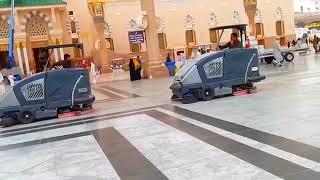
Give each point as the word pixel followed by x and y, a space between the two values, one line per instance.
pixel 66 57
pixel 135 73
pixel 233 43
pixel 168 58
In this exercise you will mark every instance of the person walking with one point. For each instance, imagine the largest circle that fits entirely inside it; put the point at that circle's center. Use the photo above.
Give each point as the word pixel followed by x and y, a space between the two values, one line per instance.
pixel 278 58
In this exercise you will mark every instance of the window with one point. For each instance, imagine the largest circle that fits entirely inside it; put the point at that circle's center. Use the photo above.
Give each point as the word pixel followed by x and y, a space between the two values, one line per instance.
pixel 191 37
pixel 135 47
pixel 162 40
pixel 213 36
pixel 259 30
pixel 280 28
pixel 110 44
pixel 73 27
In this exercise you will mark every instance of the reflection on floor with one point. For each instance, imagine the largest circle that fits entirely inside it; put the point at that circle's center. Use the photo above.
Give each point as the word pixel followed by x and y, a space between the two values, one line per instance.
pixel 137 133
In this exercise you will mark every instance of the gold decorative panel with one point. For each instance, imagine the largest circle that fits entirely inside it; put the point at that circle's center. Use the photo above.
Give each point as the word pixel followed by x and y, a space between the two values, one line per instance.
pixel 37 26
pixel 4 29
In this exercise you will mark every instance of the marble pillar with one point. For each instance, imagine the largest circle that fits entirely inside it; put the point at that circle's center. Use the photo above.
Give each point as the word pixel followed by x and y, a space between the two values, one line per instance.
pixel 251 10
pixel 61 53
pixel 26 59
pixel 20 59
pixel 152 41
pixel 56 56
pixel 101 57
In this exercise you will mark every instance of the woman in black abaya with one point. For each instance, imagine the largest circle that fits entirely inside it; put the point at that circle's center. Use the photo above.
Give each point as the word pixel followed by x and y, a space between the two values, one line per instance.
pixel 133 72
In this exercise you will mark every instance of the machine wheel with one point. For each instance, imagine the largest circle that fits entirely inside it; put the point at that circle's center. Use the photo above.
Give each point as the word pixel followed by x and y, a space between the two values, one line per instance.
pixel 26 117
pixel 8 122
pixel 269 60
pixel 86 107
pixel 207 93
pixel 289 56
pixel 174 97
pixel 189 98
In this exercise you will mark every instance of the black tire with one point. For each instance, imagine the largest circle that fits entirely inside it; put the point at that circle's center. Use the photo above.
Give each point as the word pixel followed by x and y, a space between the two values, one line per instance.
pixel 288 56
pixel 207 93
pixel 86 107
pixel 269 60
pixel 189 98
pixel 26 117
pixel 8 122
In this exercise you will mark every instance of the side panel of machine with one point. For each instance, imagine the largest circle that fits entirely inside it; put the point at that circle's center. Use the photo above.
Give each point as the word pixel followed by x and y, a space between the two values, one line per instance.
pixel 59 87
pixel 239 63
pixel 81 93
pixel 31 92
pixel 192 77
pixel 211 69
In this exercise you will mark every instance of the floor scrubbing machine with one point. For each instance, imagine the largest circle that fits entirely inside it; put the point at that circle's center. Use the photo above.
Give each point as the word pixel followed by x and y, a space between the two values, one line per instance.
pixel 217 74
pixel 46 94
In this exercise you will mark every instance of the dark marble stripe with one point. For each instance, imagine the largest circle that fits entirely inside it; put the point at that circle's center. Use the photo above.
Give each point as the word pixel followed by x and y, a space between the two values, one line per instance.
pixel 121 92
pixel 43 141
pixel 270 163
pixel 129 163
pixel 107 93
pixel 71 121
pixel 68 124
pixel 288 145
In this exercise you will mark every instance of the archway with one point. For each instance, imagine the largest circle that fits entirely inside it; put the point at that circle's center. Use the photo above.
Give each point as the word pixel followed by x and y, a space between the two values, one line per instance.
pixel 259 27
pixel 280 26
pixel 213 22
pixel 4 35
pixel 37 30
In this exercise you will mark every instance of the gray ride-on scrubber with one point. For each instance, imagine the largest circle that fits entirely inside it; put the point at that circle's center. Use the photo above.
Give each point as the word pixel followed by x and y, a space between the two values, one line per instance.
pixel 216 74
pixel 46 94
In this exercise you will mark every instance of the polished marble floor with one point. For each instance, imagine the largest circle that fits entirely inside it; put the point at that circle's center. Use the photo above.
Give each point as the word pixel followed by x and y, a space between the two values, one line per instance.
pixel 137 133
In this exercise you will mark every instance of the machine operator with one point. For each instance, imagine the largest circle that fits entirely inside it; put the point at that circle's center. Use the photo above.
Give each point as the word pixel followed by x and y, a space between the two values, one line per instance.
pixel 233 43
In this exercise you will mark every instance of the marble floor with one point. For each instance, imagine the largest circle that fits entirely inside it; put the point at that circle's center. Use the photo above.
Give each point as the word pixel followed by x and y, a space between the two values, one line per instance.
pixel 137 133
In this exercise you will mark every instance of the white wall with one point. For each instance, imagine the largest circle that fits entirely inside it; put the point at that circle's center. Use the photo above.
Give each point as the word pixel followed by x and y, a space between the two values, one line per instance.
pixel 308 5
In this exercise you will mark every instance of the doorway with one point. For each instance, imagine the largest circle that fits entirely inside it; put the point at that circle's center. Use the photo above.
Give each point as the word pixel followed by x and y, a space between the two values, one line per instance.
pixel 41 56
pixel 4 59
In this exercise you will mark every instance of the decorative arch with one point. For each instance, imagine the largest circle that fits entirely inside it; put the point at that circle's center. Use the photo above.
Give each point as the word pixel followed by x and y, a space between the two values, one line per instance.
pixel 133 25
pixel 258 18
pixel 4 27
pixel 236 17
pixel 108 29
pixel 279 15
pixel 189 22
pixel 160 24
pixel 36 23
pixel 259 26
pixel 73 25
pixel 212 20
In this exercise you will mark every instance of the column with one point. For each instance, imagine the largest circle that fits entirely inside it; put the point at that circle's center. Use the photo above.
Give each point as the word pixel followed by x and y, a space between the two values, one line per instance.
pixel 61 53
pixel 26 59
pixel 20 59
pixel 56 56
pixel 102 53
pixel 251 9
pixel 153 49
